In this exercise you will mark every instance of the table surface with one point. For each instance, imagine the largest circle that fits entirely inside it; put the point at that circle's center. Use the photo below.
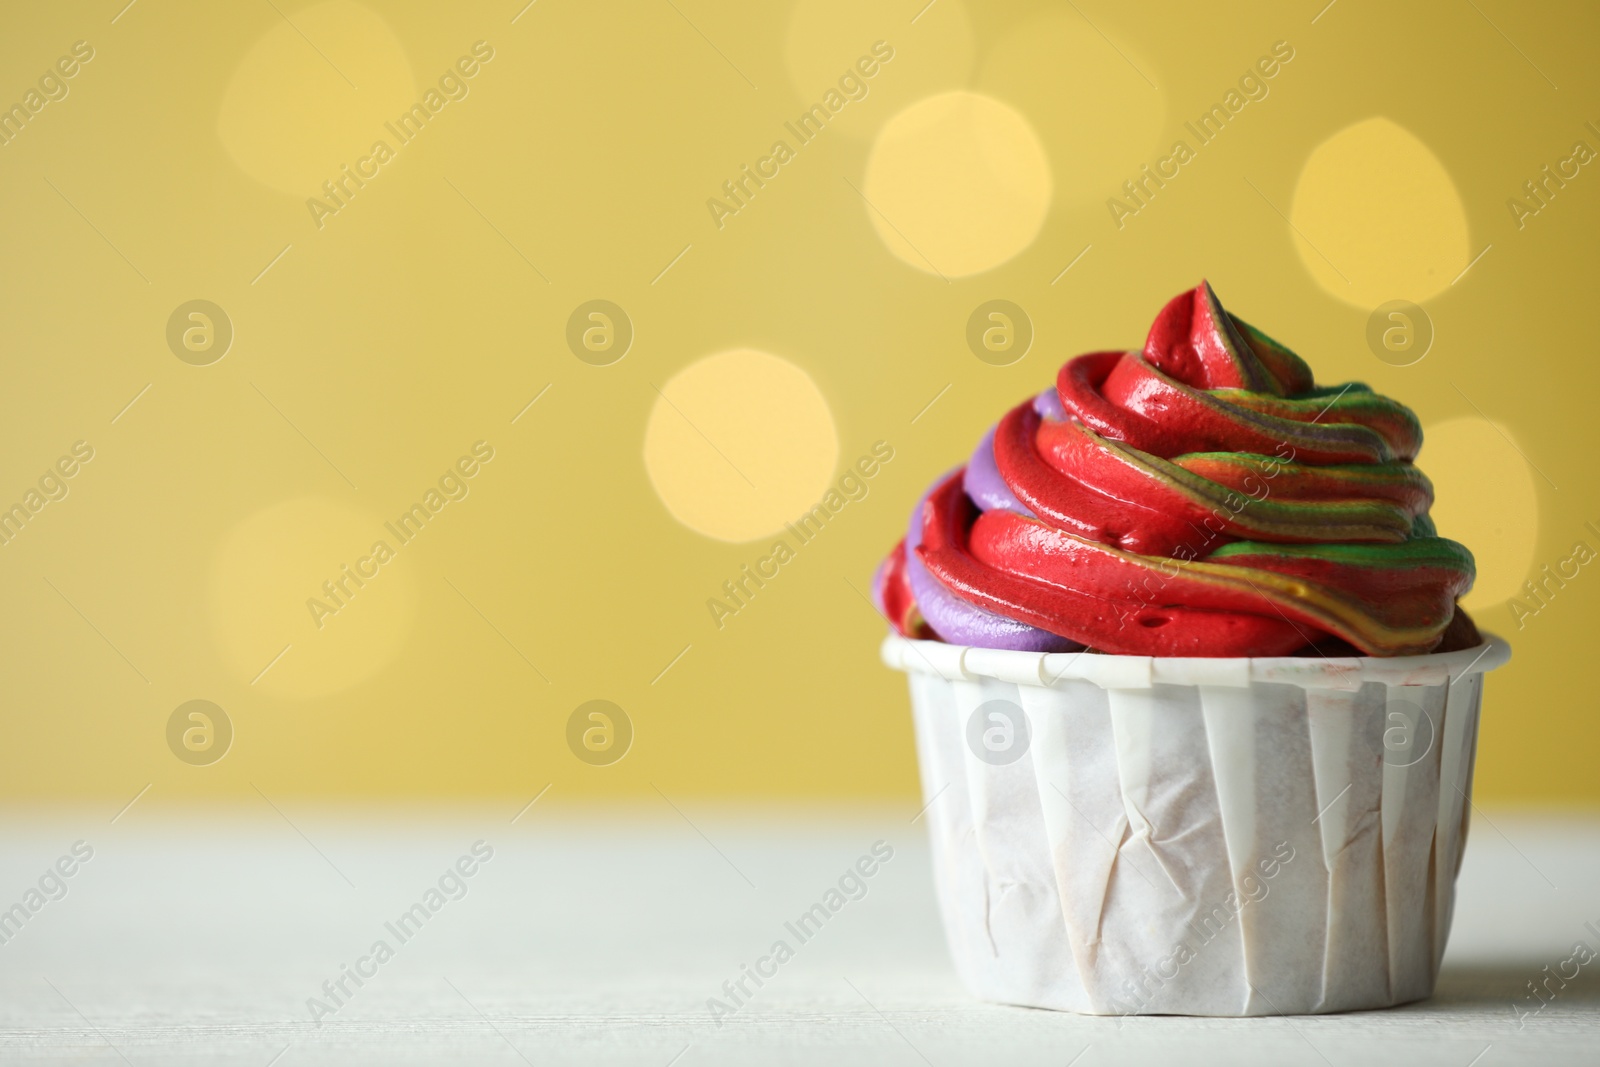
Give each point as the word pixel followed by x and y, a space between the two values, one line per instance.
pixel 599 937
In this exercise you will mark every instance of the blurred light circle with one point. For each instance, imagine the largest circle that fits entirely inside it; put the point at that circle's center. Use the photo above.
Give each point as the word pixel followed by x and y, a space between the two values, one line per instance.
pixel 291 120
pixel 957 183
pixel 1376 217
pixel 1061 72
pixel 827 38
pixel 270 568
pixel 740 443
pixel 1484 497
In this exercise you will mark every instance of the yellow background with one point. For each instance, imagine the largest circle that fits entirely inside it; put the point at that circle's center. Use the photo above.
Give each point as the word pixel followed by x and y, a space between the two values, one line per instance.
pixel 433 307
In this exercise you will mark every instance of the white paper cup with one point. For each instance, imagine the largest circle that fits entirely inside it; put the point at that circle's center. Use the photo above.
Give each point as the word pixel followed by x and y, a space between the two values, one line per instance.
pixel 1226 837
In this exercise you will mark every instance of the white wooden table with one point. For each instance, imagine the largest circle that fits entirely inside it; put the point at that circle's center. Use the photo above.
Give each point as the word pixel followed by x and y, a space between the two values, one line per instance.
pixel 598 939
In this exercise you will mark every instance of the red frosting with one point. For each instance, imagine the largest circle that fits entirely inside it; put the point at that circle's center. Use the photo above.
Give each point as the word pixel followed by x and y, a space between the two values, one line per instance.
pixel 1203 497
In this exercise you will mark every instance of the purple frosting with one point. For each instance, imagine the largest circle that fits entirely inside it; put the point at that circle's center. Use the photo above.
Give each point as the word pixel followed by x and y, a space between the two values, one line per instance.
pixel 1048 405
pixel 951 618
pixel 983 482
pixel 958 622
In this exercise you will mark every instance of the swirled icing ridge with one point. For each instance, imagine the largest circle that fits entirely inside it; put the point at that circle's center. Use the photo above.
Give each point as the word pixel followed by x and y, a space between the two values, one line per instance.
pixel 1201 496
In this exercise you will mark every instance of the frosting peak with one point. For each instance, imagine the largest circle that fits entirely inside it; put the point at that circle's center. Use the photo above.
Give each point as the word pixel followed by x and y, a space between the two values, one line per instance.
pixel 1195 341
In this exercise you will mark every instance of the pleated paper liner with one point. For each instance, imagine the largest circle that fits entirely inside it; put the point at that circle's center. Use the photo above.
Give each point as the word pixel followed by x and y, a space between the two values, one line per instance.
pixel 1231 837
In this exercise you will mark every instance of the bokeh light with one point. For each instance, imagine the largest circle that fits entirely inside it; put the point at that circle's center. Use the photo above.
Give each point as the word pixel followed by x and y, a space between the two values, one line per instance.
pixel 957 184
pixel 739 443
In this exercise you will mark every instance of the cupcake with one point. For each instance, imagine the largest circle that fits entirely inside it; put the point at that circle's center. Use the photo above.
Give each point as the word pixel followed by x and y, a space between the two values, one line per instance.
pixel 1196 705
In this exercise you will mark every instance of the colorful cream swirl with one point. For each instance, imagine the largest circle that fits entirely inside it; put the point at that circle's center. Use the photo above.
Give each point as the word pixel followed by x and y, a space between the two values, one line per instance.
pixel 1201 497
